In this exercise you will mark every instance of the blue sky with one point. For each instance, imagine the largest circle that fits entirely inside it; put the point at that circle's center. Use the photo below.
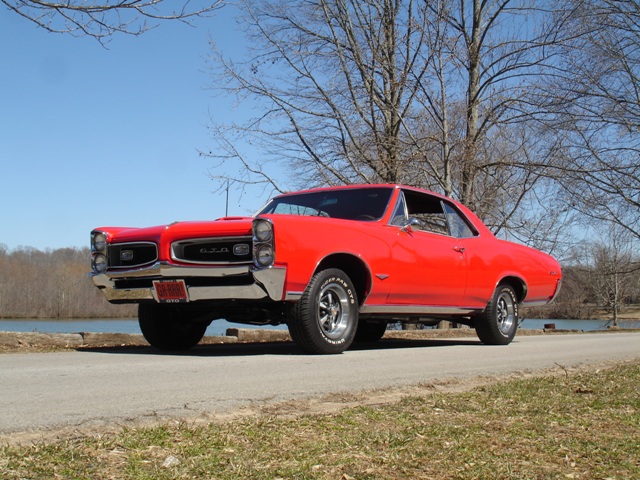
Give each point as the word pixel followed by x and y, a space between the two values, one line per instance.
pixel 95 137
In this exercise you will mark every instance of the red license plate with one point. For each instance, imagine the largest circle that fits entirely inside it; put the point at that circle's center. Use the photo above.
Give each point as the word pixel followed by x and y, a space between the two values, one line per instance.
pixel 170 291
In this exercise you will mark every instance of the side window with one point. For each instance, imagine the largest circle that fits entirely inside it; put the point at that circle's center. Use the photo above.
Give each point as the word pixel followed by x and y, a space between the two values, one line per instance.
pixel 458 226
pixel 433 215
pixel 400 213
pixel 428 211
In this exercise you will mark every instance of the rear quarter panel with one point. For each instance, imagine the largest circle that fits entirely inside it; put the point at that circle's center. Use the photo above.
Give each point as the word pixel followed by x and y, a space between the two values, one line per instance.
pixel 541 272
pixel 492 260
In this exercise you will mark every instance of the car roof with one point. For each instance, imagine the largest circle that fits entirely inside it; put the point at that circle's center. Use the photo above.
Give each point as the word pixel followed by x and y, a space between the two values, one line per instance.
pixel 363 186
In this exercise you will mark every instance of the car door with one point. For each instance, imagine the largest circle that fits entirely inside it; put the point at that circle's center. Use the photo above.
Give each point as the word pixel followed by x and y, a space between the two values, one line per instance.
pixel 429 266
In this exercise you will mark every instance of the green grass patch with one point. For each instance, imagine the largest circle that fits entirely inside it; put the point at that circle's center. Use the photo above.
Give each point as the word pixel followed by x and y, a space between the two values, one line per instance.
pixel 582 425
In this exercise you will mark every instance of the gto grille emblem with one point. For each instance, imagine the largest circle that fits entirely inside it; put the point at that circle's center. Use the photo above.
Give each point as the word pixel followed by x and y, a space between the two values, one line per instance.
pixel 126 255
pixel 240 249
pixel 214 250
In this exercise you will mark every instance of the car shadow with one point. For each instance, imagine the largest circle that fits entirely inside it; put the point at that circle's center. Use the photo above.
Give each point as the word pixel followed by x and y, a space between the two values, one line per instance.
pixel 400 343
pixel 273 348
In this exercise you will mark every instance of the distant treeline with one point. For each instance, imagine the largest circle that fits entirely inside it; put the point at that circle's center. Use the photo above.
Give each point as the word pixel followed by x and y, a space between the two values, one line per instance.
pixel 51 284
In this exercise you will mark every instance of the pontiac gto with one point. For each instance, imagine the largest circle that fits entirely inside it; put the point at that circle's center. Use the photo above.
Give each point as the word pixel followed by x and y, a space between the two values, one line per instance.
pixel 333 264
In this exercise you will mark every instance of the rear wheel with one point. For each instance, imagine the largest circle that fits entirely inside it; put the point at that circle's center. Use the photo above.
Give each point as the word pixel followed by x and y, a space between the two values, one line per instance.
pixel 498 322
pixel 325 319
pixel 370 332
pixel 169 327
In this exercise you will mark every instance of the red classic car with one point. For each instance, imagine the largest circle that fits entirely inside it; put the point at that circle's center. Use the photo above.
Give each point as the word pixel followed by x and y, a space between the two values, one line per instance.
pixel 333 264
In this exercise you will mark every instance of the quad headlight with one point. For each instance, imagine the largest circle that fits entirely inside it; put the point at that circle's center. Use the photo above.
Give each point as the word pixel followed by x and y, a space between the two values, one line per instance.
pixel 263 255
pixel 263 230
pixel 263 243
pixel 98 242
pixel 99 263
pixel 99 260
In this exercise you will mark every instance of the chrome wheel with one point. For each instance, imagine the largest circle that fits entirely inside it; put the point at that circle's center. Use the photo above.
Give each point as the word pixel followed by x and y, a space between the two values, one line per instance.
pixel 498 323
pixel 505 312
pixel 333 310
pixel 325 319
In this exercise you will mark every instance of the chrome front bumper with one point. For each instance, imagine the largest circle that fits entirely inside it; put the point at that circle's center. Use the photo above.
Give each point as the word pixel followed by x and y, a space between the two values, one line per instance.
pixel 268 284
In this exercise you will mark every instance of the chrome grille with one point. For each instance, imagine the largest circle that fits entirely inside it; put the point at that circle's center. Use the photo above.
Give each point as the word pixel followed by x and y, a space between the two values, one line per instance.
pixel 213 250
pixel 129 255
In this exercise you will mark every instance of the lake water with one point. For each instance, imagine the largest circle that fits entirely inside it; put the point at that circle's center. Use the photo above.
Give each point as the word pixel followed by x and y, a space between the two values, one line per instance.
pixel 585 325
pixel 219 327
pixel 109 325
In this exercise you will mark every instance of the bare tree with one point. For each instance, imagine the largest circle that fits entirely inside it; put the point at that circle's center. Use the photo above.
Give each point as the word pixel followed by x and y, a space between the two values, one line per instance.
pixel 614 265
pixel 103 18
pixel 423 93
pixel 592 105
pixel 334 82
pixel 496 53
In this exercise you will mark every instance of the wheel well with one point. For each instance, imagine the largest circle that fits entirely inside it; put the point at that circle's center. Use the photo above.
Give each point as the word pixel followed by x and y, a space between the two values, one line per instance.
pixel 355 268
pixel 518 286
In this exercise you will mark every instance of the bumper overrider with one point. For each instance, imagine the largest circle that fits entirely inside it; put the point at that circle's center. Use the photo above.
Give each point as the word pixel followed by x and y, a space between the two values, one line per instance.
pixel 115 273
pixel 264 284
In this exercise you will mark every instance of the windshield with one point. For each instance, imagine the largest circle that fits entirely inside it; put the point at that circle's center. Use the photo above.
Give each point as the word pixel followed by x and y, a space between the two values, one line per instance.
pixel 364 204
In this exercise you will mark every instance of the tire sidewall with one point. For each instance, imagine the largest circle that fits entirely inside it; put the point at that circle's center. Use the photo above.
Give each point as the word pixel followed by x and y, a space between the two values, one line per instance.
pixel 488 328
pixel 304 322
pixel 343 282
pixel 502 290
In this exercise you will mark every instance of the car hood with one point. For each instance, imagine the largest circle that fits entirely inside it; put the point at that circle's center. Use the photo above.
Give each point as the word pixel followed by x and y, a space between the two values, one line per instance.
pixel 223 227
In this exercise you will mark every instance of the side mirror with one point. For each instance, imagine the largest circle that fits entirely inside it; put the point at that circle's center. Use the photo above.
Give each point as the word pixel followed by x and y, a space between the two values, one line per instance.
pixel 413 222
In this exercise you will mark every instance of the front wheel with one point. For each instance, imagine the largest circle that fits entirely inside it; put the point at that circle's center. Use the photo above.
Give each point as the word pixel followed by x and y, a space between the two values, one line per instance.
pixel 169 327
pixel 325 319
pixel 498 323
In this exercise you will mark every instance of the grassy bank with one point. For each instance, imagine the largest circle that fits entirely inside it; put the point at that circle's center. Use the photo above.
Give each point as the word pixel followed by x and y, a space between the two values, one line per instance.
pixel 581 424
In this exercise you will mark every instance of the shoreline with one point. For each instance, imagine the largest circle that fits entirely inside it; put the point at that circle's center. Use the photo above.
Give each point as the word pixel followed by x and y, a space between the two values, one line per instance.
pixel 21 341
